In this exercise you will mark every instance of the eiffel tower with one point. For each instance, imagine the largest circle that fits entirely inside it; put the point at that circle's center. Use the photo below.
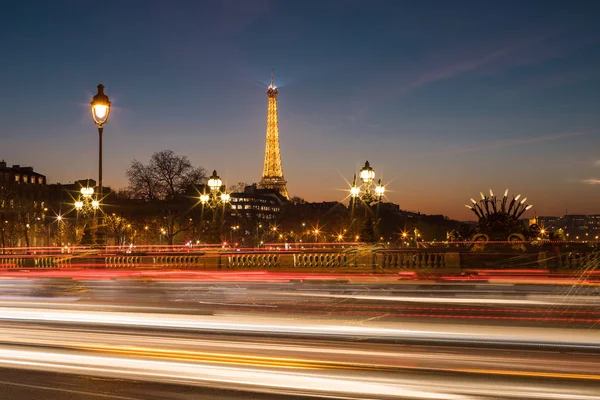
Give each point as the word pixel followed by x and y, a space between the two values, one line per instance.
pixel 272 176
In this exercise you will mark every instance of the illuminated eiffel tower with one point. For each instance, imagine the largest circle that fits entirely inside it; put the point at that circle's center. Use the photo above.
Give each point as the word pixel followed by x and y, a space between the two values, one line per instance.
pixel 272 176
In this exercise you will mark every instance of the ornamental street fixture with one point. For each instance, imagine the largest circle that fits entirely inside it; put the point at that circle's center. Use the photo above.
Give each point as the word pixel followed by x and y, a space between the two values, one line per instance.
pixel 100 107
pixel 366 194
pixel 87 207
pixel 367 177
pixel 217 198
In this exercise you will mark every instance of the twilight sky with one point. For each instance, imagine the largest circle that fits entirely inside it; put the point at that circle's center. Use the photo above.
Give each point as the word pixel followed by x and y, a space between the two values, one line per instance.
pixel 444 98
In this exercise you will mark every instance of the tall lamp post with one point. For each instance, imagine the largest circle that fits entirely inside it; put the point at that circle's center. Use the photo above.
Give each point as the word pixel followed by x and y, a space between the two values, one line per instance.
pixel 216 198
pixel 363 192
pixel 100 106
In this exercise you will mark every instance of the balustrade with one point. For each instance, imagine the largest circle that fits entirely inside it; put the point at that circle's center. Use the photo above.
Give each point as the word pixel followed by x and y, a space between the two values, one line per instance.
pixel 427 261
pixel 253 261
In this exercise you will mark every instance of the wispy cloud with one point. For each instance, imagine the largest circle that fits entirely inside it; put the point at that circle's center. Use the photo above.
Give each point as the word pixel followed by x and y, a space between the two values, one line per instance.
pixel 521 141
pixel 461 66
pixel 448 63
pixel 591 181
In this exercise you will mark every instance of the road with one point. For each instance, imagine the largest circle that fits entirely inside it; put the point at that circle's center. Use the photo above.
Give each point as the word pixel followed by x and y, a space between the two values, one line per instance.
pixel 179 340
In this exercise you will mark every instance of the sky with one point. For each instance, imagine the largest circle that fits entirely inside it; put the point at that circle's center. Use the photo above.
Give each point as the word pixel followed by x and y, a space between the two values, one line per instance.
pixel 444 98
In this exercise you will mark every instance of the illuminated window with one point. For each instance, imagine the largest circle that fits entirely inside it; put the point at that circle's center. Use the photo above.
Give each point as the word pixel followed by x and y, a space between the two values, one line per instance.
pixel 17 178
pixel 40 180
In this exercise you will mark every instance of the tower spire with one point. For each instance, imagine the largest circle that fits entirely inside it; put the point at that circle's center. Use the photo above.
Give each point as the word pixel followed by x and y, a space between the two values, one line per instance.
pixel 272 177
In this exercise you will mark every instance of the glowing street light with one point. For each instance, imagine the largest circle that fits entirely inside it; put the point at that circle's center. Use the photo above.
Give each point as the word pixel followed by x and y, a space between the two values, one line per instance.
pixel 215 182
pixel 364 193
pixel 100 106
pixel 367 174
pixel 214 198
pixel 225 197
pixel 379 189
pixel 87 192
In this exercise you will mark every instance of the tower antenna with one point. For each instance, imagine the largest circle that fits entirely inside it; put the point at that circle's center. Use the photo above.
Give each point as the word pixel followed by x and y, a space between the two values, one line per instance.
pixel 272 78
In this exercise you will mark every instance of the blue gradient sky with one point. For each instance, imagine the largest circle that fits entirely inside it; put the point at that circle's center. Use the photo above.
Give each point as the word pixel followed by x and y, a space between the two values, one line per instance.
pixel 444 98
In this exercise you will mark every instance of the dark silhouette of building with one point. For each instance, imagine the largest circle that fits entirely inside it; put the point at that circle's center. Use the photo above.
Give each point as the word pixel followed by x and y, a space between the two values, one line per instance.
pixel 17 175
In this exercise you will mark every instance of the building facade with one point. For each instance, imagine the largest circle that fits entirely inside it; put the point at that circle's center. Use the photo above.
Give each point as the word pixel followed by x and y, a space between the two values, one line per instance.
pixel 17 175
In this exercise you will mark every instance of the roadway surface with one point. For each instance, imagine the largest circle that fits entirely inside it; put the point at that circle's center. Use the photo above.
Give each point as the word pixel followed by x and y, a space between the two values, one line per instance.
pixel 97 339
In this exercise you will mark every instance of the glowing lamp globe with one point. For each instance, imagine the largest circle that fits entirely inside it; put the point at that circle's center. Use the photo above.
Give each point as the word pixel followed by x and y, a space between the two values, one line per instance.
pixel 367 174
pixel 87 191
pixel 225 197
pixel 214 182
pixel 354 191
pixel 379 189
pixel 78 205
pixel 204 198
pixel 95 204
pixel 100 107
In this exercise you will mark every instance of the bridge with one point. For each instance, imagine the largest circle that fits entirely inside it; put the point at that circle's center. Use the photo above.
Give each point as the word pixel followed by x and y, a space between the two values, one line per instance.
pixel 456 259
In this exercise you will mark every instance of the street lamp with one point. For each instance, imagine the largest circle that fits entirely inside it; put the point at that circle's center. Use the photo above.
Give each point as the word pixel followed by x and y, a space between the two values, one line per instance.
pixel 100 107
pixel 215 182
pixel 86 205
pixel 366 195
pixel 215 198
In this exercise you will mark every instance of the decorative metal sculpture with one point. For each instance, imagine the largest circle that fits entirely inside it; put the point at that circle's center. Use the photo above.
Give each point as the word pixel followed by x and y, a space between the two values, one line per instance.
pixel 499 218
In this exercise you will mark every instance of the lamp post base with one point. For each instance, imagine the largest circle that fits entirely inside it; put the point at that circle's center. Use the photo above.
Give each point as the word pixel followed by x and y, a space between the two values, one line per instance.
pixel 367 233
pixel 100 238
pixel 214 235
pixel 87 238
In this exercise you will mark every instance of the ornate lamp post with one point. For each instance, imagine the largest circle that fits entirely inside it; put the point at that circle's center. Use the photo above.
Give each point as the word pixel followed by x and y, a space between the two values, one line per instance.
pixel 86 205
pixel 215 198
pixel 367 177
pixel 100 106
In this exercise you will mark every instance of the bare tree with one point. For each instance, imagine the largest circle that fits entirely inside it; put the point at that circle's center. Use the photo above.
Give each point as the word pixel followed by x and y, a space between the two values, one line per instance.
pixel 142 181
pixel 165 178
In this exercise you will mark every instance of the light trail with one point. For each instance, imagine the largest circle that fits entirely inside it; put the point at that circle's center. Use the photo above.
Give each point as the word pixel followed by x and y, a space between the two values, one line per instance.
pixel 264 379
pixel 432 333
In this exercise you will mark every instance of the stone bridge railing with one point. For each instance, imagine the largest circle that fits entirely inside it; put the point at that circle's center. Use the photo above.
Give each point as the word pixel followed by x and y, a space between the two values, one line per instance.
pixel 429 261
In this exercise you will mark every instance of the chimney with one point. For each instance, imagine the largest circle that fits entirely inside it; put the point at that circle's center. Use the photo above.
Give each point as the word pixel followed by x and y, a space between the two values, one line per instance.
pixel 2 164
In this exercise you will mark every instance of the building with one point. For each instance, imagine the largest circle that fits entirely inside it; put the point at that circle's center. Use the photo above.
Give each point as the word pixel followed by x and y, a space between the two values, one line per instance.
pixel 272 176
pixel 23 209
pixel 580 226
pixel 550 223
pixel 257 204
pixel 17 175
